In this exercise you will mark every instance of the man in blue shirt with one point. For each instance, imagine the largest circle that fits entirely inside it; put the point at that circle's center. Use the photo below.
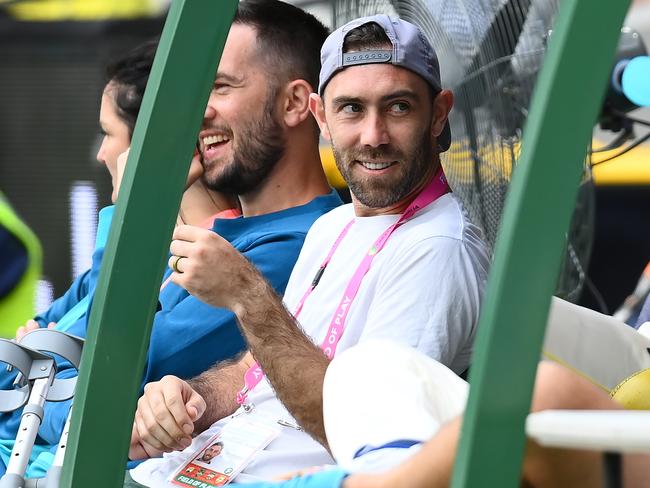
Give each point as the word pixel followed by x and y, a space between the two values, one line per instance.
pixel 258 140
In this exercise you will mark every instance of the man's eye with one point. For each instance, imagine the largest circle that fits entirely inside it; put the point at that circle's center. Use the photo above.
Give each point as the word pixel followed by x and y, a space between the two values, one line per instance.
pixel 221 87
pixel 351 108
pixel 400 107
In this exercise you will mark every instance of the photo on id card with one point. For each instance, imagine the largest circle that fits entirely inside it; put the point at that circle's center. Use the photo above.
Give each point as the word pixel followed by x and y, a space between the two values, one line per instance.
pixel 224 455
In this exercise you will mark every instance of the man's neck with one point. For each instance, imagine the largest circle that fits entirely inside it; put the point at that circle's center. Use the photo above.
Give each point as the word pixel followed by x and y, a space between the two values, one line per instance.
pixel 295 180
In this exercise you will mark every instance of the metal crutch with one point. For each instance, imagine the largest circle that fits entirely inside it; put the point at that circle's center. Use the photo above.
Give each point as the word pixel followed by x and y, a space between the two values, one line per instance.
pixel 37 381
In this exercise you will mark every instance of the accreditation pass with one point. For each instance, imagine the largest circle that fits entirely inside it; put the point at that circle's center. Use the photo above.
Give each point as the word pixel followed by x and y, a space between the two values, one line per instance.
pixel 223 456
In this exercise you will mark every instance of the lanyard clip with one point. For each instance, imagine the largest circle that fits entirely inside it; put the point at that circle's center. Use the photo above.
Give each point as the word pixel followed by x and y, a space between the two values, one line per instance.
pixel 318 276
pixel 286 423
pixel 241 396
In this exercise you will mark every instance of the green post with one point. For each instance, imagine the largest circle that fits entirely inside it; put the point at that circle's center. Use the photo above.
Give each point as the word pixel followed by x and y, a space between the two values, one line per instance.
pixel 136 254
pixel 529 246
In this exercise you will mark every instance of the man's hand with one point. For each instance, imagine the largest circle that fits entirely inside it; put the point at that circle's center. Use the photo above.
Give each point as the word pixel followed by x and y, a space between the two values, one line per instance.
pixel 214 272
pixel 164 420
pixel 211 269
pixel 138 449
pixel 29 326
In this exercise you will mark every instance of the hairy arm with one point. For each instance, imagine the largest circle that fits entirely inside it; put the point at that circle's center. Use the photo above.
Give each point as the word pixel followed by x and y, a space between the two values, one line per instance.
pixel 171 410
pixel 219 386
pixel 216 273
pixel 281 347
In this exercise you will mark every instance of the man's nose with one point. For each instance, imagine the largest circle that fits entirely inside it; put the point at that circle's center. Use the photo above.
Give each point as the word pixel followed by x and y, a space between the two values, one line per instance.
pixel 374 132
pixel 209 113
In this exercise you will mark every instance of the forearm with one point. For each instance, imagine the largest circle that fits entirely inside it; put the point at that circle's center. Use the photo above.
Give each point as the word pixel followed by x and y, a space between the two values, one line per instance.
pixel 218 274
pixel 282 348
pixel 219 386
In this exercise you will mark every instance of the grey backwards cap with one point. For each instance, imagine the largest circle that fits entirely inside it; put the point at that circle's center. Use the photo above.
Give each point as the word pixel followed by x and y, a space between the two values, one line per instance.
pixel 411 50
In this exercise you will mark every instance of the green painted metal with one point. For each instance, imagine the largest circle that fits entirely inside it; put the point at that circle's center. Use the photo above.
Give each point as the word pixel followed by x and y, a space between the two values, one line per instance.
pixel 126 296
pixel 529 247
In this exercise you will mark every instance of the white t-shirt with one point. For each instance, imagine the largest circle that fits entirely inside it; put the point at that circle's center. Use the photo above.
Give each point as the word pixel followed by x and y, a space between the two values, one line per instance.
pixel 423 289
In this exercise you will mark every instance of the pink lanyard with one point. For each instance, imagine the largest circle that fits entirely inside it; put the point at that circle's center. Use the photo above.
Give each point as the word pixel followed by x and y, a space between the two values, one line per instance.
pixel 434 190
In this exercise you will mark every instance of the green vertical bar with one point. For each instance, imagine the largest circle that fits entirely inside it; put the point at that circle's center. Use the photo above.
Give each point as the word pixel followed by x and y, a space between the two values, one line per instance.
pixel 529 247
pixel 126 296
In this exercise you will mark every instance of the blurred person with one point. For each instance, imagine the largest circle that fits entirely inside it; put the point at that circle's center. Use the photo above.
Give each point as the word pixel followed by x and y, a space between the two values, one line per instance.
pixel 20 265
pixel 365 271
pixel 259 140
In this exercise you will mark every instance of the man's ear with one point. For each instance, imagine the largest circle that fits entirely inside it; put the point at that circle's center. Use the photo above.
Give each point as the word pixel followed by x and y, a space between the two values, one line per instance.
pixel 442 105
pixel 295 109
pixel 317 107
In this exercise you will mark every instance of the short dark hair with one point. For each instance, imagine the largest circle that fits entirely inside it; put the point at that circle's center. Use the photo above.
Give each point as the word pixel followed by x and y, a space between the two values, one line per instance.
pixel 128 78
pixel 288 34
pixel 366 37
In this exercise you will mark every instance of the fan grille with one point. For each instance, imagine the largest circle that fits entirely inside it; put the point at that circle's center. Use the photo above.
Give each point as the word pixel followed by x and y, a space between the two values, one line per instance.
pixel 490 52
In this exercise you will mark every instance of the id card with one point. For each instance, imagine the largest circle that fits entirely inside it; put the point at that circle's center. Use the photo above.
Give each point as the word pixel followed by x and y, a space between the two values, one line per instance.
pixel 224 455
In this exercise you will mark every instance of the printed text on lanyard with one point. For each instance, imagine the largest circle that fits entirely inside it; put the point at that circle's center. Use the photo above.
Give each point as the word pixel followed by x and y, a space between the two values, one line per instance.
pixel 437 188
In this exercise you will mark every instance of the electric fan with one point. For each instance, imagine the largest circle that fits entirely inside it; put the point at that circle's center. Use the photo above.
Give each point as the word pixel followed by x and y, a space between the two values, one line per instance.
pixel 490 53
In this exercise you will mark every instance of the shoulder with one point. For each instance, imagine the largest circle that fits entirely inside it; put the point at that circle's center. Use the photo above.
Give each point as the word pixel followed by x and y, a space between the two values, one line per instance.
pixel 288 223
pixel 335 218
pixel 443 236
pixel 444 219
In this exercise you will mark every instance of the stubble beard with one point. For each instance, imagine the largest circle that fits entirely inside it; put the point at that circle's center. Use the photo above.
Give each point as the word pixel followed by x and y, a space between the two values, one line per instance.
pixel 385 192
pixel 260 145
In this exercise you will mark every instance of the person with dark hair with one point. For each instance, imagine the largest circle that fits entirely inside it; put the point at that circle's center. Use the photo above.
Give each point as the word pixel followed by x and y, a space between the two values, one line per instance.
pixel 260 140
pixel 402 263
pixel 121 99
pixel 252 143
pixel 211 452
pixel 128 78
pixel 289 39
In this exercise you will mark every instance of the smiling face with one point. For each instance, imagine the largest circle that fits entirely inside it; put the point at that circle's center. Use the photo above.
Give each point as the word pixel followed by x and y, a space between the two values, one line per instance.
pixel 241 140
pixel 211 452
pixel 116 138
pixel 382 122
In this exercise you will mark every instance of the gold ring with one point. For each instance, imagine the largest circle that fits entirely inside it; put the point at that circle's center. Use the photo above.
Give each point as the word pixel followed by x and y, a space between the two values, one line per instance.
pixel 175 264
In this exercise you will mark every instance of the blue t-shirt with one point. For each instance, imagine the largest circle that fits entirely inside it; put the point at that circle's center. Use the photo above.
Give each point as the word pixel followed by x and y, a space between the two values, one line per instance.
pixel 189 336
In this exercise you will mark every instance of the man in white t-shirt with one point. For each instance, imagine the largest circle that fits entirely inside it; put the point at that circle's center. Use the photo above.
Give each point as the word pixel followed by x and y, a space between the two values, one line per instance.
pixel 402 263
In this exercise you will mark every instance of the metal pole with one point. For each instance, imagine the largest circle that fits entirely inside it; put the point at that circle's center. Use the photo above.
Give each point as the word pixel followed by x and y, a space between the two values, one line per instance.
pixel 27 431
pixel 136 254
pixel 529 246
